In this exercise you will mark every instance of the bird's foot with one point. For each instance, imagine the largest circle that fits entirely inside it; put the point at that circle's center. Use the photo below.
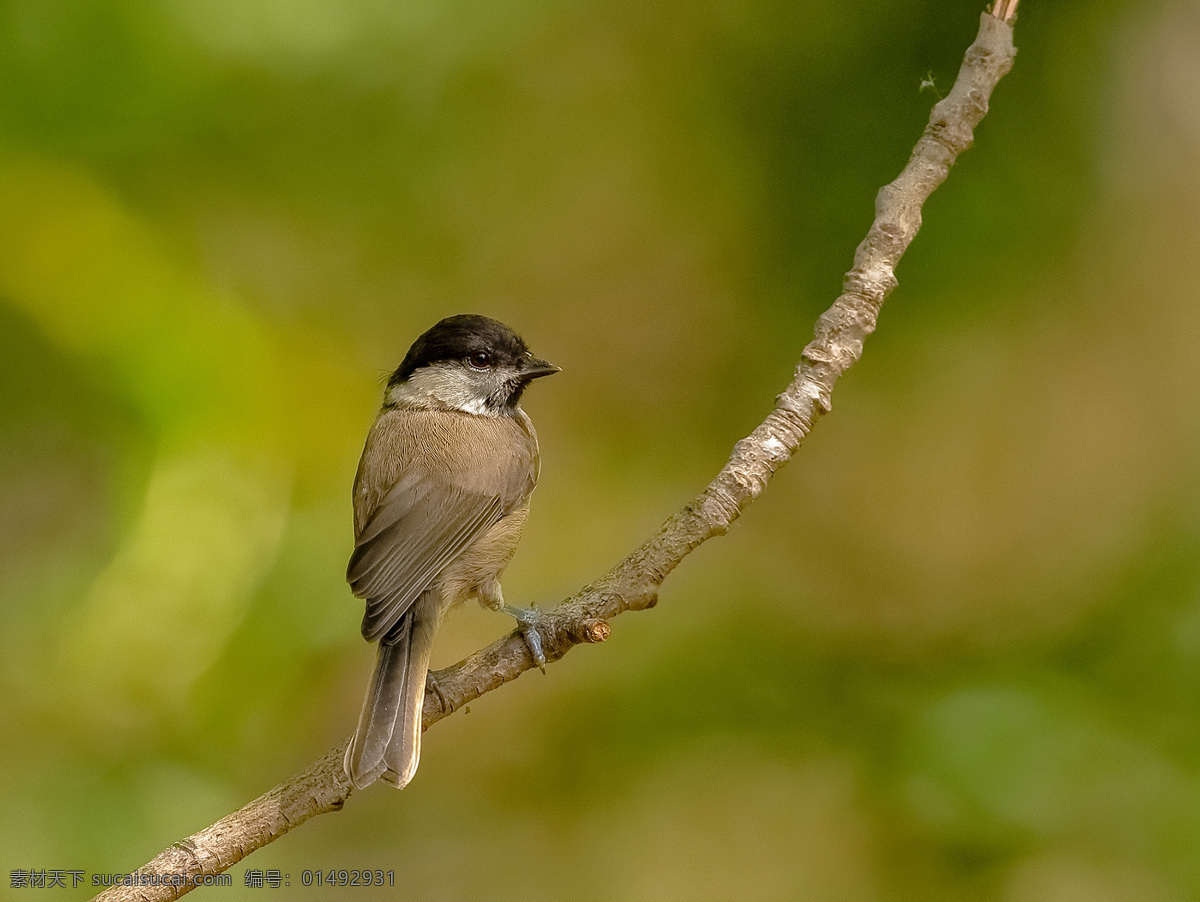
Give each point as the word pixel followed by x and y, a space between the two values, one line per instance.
pixel 528 621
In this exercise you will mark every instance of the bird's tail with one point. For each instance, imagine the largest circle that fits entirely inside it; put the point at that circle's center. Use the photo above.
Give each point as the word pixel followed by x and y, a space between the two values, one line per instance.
pixel 387 743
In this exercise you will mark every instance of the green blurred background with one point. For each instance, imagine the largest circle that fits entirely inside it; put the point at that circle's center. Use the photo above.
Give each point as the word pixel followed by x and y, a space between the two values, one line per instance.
pixel 950 654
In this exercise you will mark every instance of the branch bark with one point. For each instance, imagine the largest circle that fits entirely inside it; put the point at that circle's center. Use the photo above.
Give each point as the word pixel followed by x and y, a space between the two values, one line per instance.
pixel 633 584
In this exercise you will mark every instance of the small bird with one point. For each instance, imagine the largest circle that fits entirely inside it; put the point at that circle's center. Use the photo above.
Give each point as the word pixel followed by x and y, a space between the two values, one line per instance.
pixel 440 498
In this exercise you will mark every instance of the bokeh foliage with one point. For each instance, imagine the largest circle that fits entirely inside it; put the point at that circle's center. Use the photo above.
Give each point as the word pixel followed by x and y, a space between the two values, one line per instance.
pixel 950 654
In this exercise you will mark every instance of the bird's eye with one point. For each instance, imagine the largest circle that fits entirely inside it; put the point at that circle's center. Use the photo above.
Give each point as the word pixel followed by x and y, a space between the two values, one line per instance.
pixel 481 360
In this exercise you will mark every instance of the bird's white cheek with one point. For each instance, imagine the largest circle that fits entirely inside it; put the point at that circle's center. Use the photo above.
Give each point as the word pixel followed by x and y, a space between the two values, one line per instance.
pixel 442 387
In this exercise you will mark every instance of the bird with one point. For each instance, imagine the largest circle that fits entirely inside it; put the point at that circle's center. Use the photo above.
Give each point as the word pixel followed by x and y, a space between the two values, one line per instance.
pixel 440 498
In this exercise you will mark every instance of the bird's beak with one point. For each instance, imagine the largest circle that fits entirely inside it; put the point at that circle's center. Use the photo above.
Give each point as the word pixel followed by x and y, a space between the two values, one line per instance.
pixel 535 367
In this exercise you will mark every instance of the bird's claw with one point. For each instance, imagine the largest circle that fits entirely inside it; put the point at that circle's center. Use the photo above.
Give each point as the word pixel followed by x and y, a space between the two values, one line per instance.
pixel 528 621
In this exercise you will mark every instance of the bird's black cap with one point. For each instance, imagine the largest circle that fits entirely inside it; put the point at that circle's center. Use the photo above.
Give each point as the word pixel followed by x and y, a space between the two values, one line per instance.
pixel 460 337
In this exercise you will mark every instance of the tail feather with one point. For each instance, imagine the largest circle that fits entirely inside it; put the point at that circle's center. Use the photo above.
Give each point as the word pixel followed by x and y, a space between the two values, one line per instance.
pixel 387 743
pixel 404 751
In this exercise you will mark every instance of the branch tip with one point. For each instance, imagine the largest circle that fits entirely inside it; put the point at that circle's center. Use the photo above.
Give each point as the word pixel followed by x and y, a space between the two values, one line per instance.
pixel 1004 10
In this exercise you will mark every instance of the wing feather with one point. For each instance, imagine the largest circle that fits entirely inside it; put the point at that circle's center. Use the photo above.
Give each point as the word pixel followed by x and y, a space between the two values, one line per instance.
pixel 418 512
pixel 426 530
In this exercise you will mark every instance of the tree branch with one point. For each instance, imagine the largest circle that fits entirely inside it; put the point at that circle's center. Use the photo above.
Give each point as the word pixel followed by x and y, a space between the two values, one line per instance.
pixel 633 584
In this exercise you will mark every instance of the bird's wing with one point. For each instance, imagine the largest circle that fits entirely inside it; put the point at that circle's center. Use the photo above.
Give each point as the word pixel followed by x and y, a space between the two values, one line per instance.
pixel 420 525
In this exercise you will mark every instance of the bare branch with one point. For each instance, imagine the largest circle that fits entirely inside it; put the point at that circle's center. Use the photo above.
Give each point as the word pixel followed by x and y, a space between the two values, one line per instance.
pixel 633 584
pixel 1004 10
